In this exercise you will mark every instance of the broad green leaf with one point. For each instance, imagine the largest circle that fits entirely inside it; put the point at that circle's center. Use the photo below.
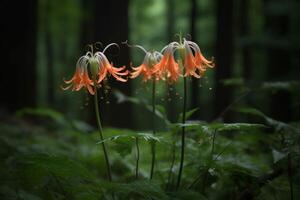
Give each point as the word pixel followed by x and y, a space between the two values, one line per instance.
pixel 159 112
pixel 188 114
pixel 145 136
pixel 149 137
pixel 281 85
pixel 222 127
pixel 237 127
pixel 234 82
pixel 113 138
pixel 249 110
pixel 277 155
pixel 121 98
pixel 278 125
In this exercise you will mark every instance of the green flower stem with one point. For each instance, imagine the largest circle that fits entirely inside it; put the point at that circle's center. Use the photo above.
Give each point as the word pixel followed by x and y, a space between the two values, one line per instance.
pixel 101 133
pixel 137 157
pixel 172 165
pixel 183 129
pixel 153 145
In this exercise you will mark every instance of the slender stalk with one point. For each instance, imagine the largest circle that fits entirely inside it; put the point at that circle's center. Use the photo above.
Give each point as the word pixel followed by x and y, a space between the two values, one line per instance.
pixel 171 167
pixel 101 133
pixel 137 157
pixel 183 133
pixel 153 145
pixel 290 176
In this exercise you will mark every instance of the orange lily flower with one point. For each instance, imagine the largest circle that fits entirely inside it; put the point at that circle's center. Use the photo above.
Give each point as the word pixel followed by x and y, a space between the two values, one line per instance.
pixel 80 79
pixel 98 66
pixel 167 68
pixel 195 65
pixel 151 58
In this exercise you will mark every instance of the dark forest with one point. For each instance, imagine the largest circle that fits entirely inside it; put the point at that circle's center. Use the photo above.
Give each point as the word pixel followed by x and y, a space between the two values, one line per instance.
pixel 154 99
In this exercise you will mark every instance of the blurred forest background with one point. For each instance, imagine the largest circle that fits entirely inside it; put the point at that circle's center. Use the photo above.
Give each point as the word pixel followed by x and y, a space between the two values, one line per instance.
pixel 252 42
pixel 241 143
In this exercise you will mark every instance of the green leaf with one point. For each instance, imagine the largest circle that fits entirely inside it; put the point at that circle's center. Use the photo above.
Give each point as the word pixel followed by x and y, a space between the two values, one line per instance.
pixel 249 110
pixel 112 138
pixel 149 137
pixel 237 127
pixel 145 136
pixel 121 98
pixel 234 82
pixel 278 125
pixel 281 85
pixel 188 114
pixel 160 112
pixel 222 126
pixel 81 126
pixel 277 155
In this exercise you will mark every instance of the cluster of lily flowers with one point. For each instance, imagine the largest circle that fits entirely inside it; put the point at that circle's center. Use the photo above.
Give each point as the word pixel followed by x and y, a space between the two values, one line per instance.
pixel 94 67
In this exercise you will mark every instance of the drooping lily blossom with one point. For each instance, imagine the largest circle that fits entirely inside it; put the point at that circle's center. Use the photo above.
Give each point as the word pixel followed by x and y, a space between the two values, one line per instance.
pixel 145 69
pixel 167 69
pixel 195 64
pixel 97 65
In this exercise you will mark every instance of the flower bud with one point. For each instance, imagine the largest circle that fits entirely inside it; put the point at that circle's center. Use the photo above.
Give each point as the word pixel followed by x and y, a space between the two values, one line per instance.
pixel 181 54
pixel 94 66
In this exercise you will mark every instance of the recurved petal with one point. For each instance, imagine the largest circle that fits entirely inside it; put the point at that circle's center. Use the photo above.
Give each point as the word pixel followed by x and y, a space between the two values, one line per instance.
pixel 195 75
pixel 65 88
pixel 118 69
pixel 102 74
pixel 118 77
pixel 90 89
pixel 136 71
pixel 201 60
pixel 68 81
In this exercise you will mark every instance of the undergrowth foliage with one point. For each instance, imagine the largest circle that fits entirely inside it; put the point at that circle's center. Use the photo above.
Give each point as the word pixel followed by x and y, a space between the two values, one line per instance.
pixel 49 156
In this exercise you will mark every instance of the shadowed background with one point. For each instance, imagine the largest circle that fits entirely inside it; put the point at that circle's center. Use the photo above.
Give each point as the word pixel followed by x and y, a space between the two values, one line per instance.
pixel 252 42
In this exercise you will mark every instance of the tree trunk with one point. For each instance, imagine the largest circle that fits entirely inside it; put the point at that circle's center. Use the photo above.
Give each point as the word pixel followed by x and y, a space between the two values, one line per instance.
pixel 170 94
pixel 278 58
pixel 87 29
pixel 111 25
pixel 18 52
pixel 244 31
pixel 195 81
pixel 49 53
pixel 224 53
